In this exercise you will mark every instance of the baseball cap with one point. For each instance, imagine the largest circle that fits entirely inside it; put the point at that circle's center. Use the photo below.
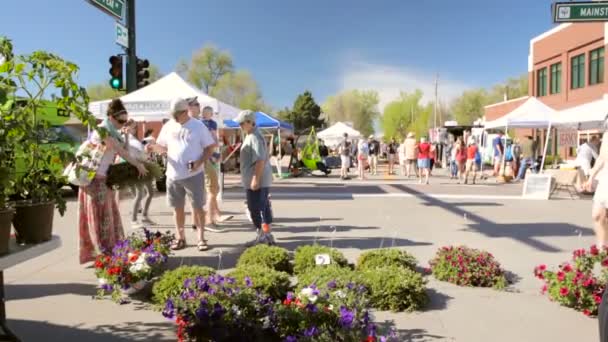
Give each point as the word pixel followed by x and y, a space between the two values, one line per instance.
pixel 178 105
pixel 192 101
pixel 245 115
pixel 371 137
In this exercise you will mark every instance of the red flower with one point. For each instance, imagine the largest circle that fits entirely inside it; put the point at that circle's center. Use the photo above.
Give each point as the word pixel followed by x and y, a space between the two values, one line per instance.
pixel 560 276
pixel 594 250
pixel 114 271
pixel 564 291
pixel 541 267
pixel 586 312
pixel 597 299
pixel 589 282
pixel 605 262
pixel 287 302
pixel 134 257
pixel 370 339
pixel 567 268
pixel 98 264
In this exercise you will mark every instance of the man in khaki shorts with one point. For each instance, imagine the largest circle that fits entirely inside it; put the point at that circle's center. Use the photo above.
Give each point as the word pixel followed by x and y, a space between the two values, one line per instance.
pixel 212 184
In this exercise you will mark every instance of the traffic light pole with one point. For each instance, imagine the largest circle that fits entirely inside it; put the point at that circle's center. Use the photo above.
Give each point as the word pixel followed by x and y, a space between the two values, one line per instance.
pixel 131 52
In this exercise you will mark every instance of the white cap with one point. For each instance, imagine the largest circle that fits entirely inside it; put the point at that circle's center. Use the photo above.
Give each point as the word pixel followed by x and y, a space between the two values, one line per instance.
pixel 245 115
pixel 178 105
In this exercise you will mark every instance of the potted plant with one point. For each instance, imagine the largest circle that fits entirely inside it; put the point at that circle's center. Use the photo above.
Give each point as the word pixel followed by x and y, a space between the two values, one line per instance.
pixel 32 82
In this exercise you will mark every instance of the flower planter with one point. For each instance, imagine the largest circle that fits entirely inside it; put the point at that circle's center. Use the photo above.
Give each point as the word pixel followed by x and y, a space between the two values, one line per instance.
pixel 6 219
pixel 134 289
pixel 33 222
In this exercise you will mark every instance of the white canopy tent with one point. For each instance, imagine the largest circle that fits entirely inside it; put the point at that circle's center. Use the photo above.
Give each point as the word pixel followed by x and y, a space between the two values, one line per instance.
pixel 333 135
pixel 586 116
pixel 151 103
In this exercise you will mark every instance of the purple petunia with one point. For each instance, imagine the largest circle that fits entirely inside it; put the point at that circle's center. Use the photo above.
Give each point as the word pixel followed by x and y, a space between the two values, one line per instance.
pixel 346 317
pixel 291 339
pixel 187 282
pixel 169 311
pixel 312 308
pixel 290 295
pixel 332 284
pixel 311 332
pixel 248 282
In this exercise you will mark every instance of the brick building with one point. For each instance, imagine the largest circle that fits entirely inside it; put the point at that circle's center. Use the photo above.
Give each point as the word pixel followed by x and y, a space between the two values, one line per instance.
pixel 566 68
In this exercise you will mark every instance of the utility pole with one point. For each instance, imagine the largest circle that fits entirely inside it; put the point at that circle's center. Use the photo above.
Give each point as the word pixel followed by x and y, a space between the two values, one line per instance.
pixel 131 52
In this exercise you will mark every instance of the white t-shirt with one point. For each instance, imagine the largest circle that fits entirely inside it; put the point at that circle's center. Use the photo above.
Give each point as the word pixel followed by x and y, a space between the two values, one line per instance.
pixel 184 143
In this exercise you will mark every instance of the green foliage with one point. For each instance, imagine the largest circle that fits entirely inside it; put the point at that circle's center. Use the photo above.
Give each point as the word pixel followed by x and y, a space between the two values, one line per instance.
pixel 102 91
pixel 273 283
pixel 465 266
pixel 395 288
pixel 378 258
pixel 32 79
pixel 239 89
pixel 207 66
pixel 273 257
pixel 323 274
pixel 171 283
pixel 304 258
pixel 406 114
pixel 305 113
pixel 357 106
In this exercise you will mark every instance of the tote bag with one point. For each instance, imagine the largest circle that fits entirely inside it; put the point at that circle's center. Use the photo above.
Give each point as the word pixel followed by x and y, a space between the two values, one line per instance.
pixel 88 157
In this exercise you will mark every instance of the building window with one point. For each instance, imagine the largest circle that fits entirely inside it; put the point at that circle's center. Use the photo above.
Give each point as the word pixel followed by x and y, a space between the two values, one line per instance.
pixel 556 78
pixel 596 66
pixel 541 82
pixel 578 71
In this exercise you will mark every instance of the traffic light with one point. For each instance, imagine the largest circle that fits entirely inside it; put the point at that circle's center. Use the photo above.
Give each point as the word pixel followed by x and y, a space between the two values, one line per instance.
pixel 142 73
pixel 116 72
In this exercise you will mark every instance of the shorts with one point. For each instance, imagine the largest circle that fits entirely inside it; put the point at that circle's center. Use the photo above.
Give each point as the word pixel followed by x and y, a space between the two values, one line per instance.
pixel 424 163
pixel 391 157
pixel 497 160
pixel 600 198
pixel 471 165
pixel 212 184
pixel 345 161
pixel 192 186
pixel 411 162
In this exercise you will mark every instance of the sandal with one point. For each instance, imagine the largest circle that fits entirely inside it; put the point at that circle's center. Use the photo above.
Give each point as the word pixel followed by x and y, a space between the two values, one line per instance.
pixel 178 244
pixel 202 246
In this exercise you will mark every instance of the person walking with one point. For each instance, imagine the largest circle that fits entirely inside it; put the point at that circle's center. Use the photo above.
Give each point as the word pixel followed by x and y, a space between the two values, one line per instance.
pixel 99 224
pixel 461 158
pixel 528 150
pixel 424 160
pixel 188 145
pixel 256 177
pixel 212 165
pixel 498 148
pixel 374 152
pixel 344 149
pixel 323 151
pixel 392 156
pixel 402 159
pixel 411 155
pixel 141 189
pixel 472 156
pixel 362 155
pixel 453 153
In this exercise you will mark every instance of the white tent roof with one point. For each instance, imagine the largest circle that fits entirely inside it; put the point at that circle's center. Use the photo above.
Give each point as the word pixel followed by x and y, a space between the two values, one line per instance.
pixel 586 116
pixel 530 114
pixel 337 130
pixel 151 103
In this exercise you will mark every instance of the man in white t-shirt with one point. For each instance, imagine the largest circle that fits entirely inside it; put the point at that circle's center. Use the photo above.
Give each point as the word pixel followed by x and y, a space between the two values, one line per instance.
pixel 188 144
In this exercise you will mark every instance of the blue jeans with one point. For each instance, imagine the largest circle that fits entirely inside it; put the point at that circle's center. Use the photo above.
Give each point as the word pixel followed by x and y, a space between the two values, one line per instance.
pixel 259 207
pixel 453 168
pixel 525 164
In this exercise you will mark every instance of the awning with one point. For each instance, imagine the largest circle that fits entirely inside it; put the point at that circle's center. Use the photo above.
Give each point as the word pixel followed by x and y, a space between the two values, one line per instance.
pixel 530 114
pixel 262 120
pixel 590 115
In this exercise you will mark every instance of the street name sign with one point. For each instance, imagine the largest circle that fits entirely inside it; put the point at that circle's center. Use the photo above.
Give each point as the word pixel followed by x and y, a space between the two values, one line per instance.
pixel 114 8
pixel 122 36
pixel 580 11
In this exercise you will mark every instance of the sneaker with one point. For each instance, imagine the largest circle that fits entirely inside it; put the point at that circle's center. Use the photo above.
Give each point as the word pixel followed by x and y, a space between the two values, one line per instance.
pixel 212 227
pixel 268 238
pixel 146 220
pixel 254 241
pixel 136 225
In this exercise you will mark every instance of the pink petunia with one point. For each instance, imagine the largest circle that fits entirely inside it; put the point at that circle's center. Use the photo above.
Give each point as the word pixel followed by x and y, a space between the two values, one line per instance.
pixel 594 250
pixel 567 268
pixel 597 299
pixel 543 290
pixel 561 276
pixel 564 291
pixel 586 312
pixel 588 282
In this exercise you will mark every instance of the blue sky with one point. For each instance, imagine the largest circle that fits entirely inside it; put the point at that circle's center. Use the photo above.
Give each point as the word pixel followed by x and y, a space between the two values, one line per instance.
pixel 290 46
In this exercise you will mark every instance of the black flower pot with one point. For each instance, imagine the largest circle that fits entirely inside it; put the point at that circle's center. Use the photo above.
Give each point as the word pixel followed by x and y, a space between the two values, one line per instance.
pixel 33 222
pixel 6 220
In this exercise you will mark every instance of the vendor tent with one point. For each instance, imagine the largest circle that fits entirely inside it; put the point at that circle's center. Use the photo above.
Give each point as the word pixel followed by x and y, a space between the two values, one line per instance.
pixel 586 116
pixel 333 135
pixel 262 120
pixel 530 114
pixel 151 103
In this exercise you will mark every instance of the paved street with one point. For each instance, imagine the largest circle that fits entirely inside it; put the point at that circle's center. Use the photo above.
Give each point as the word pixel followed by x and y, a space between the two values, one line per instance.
pixel 49 298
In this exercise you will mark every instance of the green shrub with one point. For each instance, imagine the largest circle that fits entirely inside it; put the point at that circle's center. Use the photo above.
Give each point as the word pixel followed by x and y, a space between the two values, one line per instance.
pixel 322 275
pixel 395 288
pixel 272 283
pixel 171 283
pixel 273 257
pixel 304 258
pixel 386 257
pixel 466 266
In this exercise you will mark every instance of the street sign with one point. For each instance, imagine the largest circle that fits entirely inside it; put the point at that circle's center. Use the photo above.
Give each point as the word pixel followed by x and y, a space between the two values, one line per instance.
pixel 114 8
pixel 580 11
pixel 122 36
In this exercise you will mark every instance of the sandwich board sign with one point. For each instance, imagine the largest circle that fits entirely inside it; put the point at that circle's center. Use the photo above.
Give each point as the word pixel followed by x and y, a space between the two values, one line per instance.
pixel 537 186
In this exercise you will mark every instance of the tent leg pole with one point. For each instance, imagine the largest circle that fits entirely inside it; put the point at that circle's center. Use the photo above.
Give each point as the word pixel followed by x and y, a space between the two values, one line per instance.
pixel 279 162
pixel 542 164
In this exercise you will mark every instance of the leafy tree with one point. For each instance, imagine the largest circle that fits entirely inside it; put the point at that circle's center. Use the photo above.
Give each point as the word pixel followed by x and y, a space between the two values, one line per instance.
pixel 406 114
pixel 207 67
pixel 305 113
pixel 469 106
pixel 356 106
pixel 240 89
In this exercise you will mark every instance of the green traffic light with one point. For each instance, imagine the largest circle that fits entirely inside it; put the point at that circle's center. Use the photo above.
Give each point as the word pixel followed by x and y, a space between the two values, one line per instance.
pixel 115 83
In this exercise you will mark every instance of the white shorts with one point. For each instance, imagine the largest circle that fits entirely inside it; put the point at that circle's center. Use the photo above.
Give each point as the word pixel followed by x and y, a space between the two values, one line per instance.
pixel 600 198
pixel 345 161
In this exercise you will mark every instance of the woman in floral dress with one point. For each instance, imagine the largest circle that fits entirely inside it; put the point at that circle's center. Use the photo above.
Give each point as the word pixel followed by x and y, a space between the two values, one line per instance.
pixel 100 226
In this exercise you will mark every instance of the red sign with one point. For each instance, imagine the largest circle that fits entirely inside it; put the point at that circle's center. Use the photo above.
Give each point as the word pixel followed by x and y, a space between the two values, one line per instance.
pixel 568 138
